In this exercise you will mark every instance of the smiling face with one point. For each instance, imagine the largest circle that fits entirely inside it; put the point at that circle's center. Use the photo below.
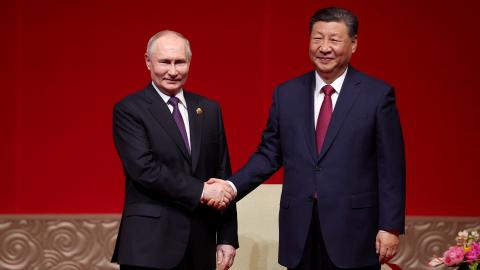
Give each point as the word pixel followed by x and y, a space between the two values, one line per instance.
pixel 331 49
pixel 168 63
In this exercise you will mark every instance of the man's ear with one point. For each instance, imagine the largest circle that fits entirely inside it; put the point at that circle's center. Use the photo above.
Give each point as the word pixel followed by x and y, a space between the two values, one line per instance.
pixel 354 43
pixel 147 61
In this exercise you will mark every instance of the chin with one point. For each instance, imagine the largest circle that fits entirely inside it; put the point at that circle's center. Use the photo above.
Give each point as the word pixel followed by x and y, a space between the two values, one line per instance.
pixel 322 66
pixel 173 87
pixel 324 70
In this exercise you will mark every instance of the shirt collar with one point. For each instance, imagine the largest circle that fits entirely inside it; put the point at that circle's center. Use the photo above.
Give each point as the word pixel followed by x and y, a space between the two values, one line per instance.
pixel 165 98
pixel 337 84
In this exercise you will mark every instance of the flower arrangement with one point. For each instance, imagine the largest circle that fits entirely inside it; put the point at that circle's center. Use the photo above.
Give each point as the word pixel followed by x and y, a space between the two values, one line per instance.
pixel 464 255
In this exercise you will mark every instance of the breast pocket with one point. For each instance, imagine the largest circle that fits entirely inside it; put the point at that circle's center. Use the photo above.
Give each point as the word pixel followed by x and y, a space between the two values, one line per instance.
pixel 361 119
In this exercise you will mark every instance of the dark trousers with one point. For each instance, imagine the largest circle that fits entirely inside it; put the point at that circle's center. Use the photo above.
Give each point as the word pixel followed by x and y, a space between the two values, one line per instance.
pixel 184 265
pixel 187 263
pixel 315 256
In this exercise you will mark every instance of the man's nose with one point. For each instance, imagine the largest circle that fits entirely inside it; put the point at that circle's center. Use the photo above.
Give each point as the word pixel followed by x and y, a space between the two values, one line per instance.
pixel 172 70
pixel 325 47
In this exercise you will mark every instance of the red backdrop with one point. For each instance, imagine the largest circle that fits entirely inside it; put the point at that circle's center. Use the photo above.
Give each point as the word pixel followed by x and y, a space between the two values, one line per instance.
pixel 65 63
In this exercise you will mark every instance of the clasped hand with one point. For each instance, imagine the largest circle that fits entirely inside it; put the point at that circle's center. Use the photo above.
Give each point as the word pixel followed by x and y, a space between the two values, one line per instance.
pixel 217 193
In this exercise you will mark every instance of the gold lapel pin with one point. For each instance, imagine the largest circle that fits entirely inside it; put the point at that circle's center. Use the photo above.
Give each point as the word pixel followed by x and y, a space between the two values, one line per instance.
pixel 199 110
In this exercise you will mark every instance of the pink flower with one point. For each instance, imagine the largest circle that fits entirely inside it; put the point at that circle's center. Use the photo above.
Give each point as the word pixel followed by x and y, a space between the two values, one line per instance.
pixel 474 253
pixel 453 256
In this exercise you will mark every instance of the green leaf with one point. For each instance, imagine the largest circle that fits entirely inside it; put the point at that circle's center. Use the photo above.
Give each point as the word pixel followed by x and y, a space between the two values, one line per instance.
pixel 473 266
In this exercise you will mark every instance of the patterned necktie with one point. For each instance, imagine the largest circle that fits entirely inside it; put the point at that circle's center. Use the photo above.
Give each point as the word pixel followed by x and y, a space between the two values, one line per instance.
pixel 179 120
pixel 324 116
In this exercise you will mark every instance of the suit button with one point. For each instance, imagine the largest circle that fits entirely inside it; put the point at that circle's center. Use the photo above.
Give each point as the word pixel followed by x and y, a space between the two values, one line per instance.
pixel 318 168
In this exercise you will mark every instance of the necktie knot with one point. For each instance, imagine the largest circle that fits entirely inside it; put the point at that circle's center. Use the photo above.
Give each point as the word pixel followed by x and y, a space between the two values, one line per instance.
pixel 328 90
pixel 173 101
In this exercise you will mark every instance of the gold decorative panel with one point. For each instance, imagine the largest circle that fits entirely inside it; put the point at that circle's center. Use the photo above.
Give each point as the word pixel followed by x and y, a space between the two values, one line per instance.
pixel 57 242
pixel 428 236
pixel 85 242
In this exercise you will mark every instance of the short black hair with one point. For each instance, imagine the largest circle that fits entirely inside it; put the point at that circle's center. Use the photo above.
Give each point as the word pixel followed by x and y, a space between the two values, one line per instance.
pixel 335 14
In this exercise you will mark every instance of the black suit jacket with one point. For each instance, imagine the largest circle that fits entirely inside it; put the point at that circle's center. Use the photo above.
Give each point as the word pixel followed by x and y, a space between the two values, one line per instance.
pixel 164 183
pixel 359 175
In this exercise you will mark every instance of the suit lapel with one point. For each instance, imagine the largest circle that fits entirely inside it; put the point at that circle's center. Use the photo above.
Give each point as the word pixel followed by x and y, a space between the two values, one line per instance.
pixel 309 88
pixel 195 121
pixel 347 97
pixel 159 110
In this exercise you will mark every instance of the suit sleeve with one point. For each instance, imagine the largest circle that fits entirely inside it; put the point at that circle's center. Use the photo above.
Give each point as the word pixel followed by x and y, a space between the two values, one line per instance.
pixel 266 160
pixel 228 227
pixel 133 146
pixel 391 166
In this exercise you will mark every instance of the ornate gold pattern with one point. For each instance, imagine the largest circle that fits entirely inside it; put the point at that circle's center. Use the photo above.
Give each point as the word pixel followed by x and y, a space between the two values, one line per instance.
pixel 81 242
pixel 57 242
pixel 428 236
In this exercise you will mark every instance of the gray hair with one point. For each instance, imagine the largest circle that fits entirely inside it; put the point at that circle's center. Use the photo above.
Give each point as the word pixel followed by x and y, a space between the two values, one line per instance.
pixel 160 34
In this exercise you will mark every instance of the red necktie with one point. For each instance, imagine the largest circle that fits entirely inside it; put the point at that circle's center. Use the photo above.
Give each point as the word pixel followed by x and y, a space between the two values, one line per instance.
pixel 324 116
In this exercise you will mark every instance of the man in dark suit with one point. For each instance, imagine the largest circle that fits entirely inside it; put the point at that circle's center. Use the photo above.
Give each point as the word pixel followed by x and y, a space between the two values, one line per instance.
pixel 170 142
pixel 336 132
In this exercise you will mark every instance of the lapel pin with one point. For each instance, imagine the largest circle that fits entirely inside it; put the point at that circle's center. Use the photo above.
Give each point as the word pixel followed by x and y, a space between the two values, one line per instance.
pixel 199 110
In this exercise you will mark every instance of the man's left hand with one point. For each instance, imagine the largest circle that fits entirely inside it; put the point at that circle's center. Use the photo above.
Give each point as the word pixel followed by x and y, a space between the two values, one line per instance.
pixel 225 256
pixel 386 245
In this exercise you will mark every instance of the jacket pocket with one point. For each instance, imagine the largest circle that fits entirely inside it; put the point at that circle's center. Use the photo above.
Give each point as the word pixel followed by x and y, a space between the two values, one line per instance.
pixel 364 200
pixel 143 209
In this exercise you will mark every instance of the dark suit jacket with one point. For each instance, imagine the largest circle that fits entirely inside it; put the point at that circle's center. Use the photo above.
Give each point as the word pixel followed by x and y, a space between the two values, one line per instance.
pixel 164 183
pixel 359 175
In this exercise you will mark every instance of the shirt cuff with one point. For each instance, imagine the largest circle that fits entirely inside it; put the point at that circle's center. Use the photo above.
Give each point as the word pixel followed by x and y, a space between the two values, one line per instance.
pixel 233 186
pixel 203 190
pixel 390 231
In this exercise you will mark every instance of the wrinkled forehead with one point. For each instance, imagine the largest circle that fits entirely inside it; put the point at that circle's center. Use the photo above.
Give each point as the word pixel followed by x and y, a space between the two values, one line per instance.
pixel 170 45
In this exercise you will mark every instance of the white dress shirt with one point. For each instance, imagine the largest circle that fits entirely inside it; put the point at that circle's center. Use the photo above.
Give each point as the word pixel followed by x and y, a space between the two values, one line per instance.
pixel 319 95
pixel 182 106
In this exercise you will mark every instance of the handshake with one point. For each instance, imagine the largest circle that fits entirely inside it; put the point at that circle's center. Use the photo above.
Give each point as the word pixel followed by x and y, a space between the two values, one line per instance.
pixel 217 193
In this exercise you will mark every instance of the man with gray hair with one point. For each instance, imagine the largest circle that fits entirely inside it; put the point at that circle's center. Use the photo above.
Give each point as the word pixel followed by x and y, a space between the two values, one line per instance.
pixel 170 142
